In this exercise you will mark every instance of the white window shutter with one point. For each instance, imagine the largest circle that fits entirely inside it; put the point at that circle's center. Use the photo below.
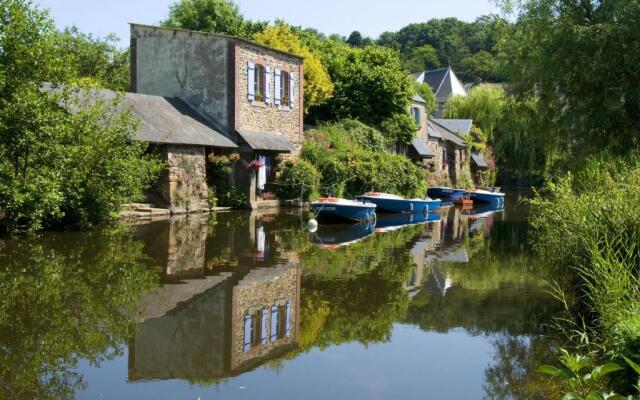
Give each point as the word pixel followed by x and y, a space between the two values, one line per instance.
pixel 251 82
pixel 278 96
pixel 292 85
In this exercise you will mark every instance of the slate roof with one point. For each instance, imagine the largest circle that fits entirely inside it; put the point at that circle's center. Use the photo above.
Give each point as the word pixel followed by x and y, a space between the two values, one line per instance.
pixel 172 121
pixel 421 147
pixel 266 141
pixel 433 130
pixel 444 83
pixel 164 120
pixel 461 126
pixel 479 160
pixel 444 133
pixel 418 99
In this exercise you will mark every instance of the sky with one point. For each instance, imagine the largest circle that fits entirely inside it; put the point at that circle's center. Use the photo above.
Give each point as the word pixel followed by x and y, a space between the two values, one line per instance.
pixel 370 17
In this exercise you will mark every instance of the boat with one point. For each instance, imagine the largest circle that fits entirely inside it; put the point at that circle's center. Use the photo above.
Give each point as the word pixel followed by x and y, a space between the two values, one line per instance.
pixel 485 209
pixel 332 209
pixel 445 193
pixel 334 236
pixel 392 222
pixel 486 196
pixel 433 204
pixel 395 204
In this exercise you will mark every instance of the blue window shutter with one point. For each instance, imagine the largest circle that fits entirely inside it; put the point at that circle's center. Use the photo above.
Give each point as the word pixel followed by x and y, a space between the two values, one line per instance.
pixel 251 81
pixel 292 85
pixel 263 327
pixel 288 321
pixel 247 333
pixel 267 84
pixel 274 323
pixel 278 96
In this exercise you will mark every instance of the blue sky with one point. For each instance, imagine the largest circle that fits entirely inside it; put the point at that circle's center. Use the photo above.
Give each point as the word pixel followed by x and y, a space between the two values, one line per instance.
pixel 371 17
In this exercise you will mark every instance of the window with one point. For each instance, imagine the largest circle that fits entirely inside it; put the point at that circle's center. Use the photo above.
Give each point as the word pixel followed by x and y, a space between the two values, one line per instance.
pixel 445 162
pixel 285 93
pixel 259 83
pixel 415 112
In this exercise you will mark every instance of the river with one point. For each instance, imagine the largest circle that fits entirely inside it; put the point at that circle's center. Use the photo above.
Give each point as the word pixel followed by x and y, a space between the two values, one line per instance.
pixel 244 305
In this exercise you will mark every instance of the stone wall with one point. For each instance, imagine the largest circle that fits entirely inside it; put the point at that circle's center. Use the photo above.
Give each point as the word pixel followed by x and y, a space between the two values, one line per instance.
pixel 262 288
pixel 258 116
pixel 422 131
pixel 192 66
pixel 183 185
pixel 437 175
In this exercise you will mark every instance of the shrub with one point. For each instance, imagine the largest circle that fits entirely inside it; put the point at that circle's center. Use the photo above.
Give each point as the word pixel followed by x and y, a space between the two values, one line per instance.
pixel 588 222
pixel 297 179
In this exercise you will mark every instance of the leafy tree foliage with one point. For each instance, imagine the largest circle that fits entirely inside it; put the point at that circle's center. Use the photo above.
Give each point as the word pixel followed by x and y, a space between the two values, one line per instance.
pixel 218 16
pixel 95 61
pixel 317 83
pixel 370 84
pixel 579 60
pixel 459 44
pixel 422 58
pixel 356 39
pixel 425 91
pixel 56 167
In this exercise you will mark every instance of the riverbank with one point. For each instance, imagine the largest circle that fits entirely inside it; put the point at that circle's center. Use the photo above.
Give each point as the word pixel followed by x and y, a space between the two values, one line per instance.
pixel 588 222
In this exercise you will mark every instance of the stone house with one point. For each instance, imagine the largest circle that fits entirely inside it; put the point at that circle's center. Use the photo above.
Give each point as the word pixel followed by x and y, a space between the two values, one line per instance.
pixel 444 83
pixel 462 127
pixel 245 92
pixel 450 162
pixel 419 151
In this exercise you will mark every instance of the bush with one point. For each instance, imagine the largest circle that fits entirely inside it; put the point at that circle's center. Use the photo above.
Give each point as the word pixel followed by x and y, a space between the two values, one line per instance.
pixel 589 222
pixel 297 179
pixel 352 158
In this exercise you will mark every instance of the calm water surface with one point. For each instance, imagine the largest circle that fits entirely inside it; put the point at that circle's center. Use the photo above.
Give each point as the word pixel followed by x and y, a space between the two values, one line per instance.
pixel 252 306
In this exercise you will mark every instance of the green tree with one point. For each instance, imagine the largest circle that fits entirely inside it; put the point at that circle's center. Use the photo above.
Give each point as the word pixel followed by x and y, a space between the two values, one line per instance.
pixel 578 60
pixel 370 84
pixel 484 105
pixel 356 39
pixel 218 16
pixel 317 83
pixel 480 65
pixel 422 58
pixel 96 61
pixel 57 167
pixel 425 91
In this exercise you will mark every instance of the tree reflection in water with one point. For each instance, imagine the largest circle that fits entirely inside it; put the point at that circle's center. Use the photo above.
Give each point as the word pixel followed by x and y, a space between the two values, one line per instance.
pixel 65 297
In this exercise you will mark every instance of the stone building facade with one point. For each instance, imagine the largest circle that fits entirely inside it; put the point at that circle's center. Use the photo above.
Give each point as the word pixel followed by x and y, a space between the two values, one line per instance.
pixel 247 93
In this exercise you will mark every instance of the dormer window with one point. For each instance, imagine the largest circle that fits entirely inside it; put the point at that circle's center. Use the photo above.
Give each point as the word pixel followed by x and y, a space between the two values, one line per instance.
pixel 415 112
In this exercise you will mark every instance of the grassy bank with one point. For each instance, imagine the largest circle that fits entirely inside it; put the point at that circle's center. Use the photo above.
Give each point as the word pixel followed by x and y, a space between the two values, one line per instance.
pixel 588 222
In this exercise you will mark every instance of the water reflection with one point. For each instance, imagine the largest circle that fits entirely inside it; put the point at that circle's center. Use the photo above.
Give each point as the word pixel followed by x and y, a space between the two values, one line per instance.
pixel 242 291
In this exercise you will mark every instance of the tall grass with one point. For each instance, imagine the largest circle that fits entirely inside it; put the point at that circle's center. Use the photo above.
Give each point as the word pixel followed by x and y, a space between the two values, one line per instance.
pixel 589 222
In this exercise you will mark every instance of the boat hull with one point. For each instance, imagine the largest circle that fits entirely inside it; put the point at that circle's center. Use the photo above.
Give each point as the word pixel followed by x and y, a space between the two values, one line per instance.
pixel 333 212
pixel 434 204
pixel 491 198
pixel 397 205
pixel 445 194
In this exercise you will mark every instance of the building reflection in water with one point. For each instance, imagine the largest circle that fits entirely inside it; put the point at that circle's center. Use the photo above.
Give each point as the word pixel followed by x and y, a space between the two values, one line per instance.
pixel 215 316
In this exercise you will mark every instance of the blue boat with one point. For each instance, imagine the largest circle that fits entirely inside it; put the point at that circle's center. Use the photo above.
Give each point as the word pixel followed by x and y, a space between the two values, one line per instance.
pixel 445 193
pixel 395 204
pixel 392 222
pixel 339 210
pixel 434 204
pixel 338 235
pixel 485 196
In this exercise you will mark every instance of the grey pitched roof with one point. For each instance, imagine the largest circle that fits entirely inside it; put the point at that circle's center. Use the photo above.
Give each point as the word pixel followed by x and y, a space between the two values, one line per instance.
pixel 266 141
pixel 163 120
pixel 172 121
pixel 479 160
pixel 433 130
pixel 461 126
pixel 422 148
pixel 446 134
pixel 443 82
pixel 418 99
